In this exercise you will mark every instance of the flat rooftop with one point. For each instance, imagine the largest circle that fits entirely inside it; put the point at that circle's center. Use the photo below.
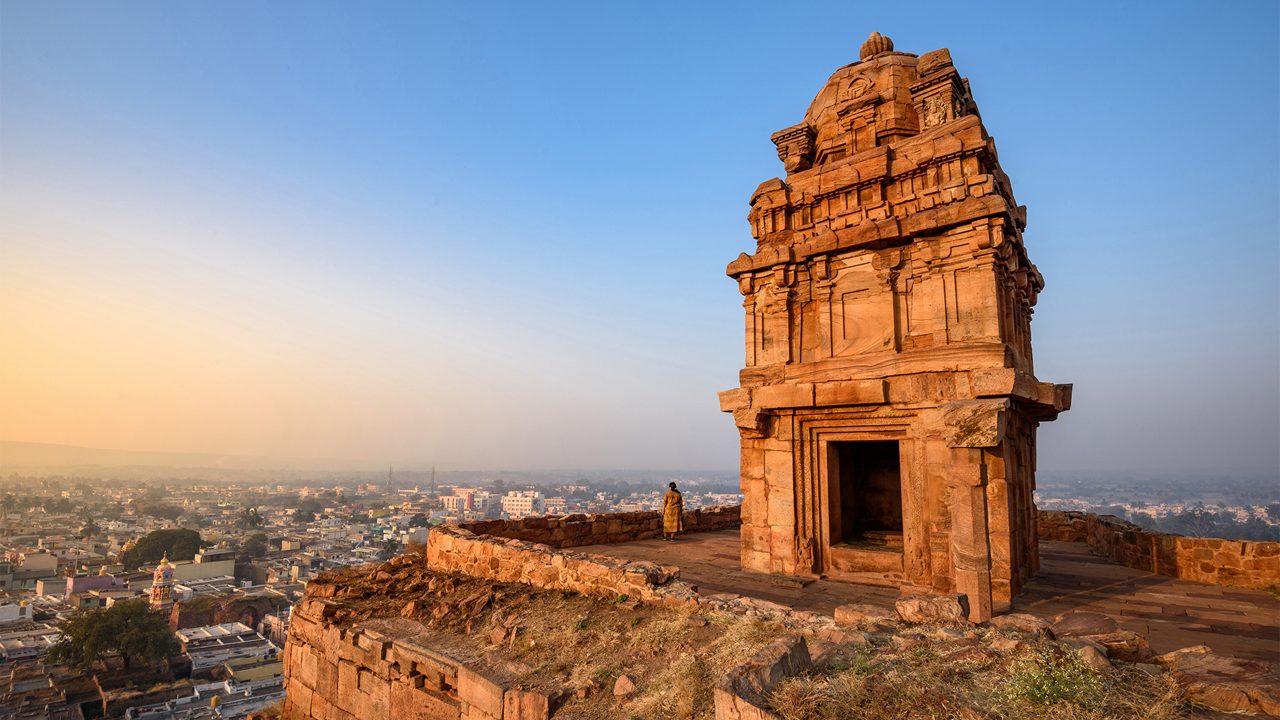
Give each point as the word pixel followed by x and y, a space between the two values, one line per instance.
pixel 1171 613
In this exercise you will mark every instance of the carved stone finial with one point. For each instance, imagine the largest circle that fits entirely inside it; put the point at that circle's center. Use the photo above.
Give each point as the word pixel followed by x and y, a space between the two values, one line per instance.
pixel 875 45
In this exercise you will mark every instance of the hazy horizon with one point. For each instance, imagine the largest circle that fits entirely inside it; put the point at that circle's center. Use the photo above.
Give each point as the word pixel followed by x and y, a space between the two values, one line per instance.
pixel 496 236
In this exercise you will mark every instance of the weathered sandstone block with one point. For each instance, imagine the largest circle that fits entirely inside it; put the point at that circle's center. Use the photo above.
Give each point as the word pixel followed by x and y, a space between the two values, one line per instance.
pixel 1224 684
pixel 944 609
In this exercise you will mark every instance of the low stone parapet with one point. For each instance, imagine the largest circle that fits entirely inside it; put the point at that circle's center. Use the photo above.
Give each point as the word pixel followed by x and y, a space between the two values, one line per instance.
pixel 1236 563
pixel 530 551
pixel 454 549
pixel 1062 526
pixel 564 531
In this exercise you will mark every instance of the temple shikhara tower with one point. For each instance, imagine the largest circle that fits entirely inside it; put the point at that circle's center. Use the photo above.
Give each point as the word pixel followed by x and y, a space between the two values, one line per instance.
pixel 888 406
pixel 160 596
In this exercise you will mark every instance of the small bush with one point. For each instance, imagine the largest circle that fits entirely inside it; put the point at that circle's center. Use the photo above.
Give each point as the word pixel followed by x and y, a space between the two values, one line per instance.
pixel 1050 676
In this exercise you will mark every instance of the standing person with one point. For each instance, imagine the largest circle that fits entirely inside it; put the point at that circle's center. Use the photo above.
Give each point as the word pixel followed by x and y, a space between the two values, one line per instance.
pixel 672 513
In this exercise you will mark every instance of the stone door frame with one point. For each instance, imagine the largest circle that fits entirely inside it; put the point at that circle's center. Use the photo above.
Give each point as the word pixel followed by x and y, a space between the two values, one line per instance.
pixel 813 507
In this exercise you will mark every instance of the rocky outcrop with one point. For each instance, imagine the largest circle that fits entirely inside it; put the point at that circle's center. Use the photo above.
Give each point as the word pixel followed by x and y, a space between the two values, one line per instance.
pixel 1224 684
pixel 1236 563
pixel 1105 633
pixel 205 610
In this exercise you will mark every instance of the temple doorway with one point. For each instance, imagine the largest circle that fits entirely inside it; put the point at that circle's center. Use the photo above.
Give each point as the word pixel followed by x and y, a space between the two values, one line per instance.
pixel 866 493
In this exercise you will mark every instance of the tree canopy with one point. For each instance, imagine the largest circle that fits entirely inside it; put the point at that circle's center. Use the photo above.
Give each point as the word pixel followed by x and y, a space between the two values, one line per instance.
pixel 180 543
pixel 90 529
pixel 249 519
pixel 161 510
pixel 127 629
pixel 254 546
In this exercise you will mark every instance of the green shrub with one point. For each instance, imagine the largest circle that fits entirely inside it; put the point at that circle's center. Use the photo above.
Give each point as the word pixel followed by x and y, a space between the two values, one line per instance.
pixel 1050 676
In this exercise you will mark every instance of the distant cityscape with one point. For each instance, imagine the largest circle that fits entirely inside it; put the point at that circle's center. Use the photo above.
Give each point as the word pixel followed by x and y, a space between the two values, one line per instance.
pixel 1237 508
pixel 73 543
pixel 248 547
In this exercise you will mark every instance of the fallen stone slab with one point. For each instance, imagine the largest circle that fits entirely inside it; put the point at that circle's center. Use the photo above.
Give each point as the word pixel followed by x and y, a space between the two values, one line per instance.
pixel 842 636
pixel 742 693
pixel 1125 645
pixel 941 609
pixel 856 614
pixel 1224 684
pixel 1081 623
pixel 1119 644
pixel 1022 623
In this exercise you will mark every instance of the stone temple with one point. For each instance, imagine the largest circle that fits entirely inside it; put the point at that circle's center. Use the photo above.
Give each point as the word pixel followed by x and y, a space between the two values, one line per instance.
pixel 888 407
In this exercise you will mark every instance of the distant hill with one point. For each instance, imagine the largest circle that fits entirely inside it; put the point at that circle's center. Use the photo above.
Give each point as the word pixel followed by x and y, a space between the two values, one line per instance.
pixel 22 455
pixel 27 457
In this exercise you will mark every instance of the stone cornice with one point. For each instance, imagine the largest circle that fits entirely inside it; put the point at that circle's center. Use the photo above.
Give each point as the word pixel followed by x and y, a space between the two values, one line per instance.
pixel 880 232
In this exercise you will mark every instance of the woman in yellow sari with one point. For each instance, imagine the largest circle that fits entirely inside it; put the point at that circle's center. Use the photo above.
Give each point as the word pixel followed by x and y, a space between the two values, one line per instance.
pixel 672 513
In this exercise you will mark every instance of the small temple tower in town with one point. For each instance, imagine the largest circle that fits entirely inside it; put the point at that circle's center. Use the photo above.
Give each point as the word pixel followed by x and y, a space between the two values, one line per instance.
pixel 161 594
pixel 888 407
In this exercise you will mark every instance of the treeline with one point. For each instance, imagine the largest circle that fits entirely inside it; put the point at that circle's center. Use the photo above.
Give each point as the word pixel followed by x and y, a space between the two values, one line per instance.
pixel 179 544
pixel 1208 522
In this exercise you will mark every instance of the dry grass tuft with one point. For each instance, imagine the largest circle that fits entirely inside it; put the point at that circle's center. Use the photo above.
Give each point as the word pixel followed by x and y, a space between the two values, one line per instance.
pixel 934 682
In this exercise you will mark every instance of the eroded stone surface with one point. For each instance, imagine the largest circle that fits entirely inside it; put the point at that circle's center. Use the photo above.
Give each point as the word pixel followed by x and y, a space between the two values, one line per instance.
pixel 742 694
pixel 1023 623
pixel 945 609
pixel 1225 684
pixel 856 614
pixel 888 404
pixel 1103 630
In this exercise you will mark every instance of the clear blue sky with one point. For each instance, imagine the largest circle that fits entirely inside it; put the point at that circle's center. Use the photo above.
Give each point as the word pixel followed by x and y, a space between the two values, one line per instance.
pixel 494 235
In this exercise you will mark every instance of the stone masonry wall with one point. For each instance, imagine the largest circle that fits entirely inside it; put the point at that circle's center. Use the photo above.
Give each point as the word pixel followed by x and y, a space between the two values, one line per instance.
pixel 377 670
pixel 457 550
pixel 1237 563
pixel 574 530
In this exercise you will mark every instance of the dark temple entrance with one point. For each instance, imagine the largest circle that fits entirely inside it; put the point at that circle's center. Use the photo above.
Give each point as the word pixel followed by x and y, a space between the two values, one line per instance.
pixel 866 493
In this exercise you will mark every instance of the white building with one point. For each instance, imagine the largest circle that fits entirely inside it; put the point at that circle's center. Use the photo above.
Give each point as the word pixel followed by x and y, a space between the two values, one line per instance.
pixel 523 503
pixel 212 645
pixel 208 563
pixel 13 612
pixel 234 700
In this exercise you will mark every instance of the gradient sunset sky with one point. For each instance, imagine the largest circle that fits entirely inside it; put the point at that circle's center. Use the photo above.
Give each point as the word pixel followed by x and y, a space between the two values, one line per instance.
pixel 493 235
